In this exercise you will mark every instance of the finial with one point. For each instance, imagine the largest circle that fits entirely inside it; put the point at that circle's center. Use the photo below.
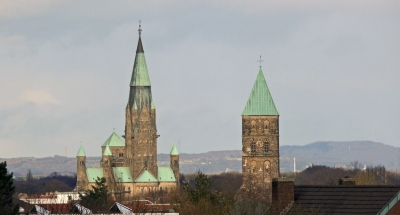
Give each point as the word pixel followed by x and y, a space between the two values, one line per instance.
pixel 140 27
pixel 260 61
pixel 81 143
pixel 114 129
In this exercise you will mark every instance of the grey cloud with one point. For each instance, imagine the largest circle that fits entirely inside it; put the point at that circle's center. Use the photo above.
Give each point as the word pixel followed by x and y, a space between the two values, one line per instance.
pixel 333 73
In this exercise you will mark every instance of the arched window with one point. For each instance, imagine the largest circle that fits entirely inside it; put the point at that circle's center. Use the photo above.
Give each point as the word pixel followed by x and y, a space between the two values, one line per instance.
pixel 266 146
pixel 253 147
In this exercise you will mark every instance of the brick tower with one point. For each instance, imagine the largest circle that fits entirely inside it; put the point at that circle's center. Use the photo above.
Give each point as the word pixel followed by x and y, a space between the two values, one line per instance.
pixel 260 141
pixel 174 162
pixel 140 124
pixel 81 178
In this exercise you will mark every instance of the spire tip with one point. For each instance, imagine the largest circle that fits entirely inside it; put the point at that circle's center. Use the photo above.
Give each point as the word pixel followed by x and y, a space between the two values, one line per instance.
pixel 260 61
pixel 140 28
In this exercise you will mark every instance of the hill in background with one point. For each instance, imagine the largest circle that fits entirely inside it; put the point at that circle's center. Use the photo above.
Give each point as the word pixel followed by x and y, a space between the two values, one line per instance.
pixel 319 153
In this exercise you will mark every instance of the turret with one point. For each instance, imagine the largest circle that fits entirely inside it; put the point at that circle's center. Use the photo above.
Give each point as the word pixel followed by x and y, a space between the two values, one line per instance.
pixel 81 179
pixel 174 159
pixel 107 164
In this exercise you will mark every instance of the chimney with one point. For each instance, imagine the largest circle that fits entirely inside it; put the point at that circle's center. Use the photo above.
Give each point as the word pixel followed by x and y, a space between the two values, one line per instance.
pixel 347 181
pixel 282 194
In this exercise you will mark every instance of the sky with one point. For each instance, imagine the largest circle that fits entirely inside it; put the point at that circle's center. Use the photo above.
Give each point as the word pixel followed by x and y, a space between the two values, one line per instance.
pixel 333 69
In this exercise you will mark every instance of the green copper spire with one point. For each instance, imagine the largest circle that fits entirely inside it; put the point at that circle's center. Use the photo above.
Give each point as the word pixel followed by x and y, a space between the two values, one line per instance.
pixel 107 151
pixel 140 75
pixel 81 152
pixel 260 101
pixel 174 151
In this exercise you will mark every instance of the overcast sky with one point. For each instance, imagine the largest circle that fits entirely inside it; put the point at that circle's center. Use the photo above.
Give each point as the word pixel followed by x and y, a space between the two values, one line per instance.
pixel 333 68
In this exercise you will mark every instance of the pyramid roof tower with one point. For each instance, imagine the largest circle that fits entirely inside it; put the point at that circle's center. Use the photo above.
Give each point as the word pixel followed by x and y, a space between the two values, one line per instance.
pixel 174 150
pixel 114 140
pixel 81 152
pixel 107 151
pixel 260 102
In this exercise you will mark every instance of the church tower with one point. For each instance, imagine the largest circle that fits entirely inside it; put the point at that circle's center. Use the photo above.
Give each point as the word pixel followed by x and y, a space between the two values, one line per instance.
pixel 81 177
pixel 260 140
pixel 140 124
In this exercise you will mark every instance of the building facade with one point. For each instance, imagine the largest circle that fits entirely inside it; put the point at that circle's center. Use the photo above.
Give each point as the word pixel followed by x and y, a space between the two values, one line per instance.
pixel 131 165
pixel 260 141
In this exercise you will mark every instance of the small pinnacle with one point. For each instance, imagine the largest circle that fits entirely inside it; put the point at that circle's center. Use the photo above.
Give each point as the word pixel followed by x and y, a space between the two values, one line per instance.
pixel 140 28
pixel 260 61
pixel 113 129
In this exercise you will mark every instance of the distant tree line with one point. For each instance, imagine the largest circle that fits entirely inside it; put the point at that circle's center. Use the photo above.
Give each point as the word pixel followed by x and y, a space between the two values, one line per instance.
pixel 208 194
pixel 50 183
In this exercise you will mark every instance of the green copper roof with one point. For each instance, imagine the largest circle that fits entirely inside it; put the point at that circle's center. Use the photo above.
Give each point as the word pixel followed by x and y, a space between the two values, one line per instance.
pixel 140 75
pixel 146 176
pixel 260 101
pixel 165 174
pixel 152 105
pixel 81 152
pixel 174 151
pixel 114 140
pixel 122 174
pixel 107 151
pixel 93 173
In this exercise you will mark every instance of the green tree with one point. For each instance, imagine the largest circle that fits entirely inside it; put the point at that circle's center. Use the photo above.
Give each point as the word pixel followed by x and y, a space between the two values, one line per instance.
pixel 202 189
pixel 97 197
pixel 7 189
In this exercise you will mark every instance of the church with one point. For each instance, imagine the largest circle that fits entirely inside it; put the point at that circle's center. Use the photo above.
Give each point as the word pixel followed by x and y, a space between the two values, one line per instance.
pixel 260 142
pixel 130 166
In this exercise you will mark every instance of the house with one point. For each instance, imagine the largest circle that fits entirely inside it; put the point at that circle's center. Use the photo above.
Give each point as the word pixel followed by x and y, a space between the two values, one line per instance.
pixel 345 198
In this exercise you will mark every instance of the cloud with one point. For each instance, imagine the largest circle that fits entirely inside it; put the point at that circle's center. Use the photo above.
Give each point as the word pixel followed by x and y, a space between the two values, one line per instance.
pixel 39 97
pixel 18 8
pixel 325 61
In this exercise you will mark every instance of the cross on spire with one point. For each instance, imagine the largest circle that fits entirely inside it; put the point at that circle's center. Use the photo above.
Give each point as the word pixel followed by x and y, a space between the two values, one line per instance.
pixel 260 61
pixel 140 27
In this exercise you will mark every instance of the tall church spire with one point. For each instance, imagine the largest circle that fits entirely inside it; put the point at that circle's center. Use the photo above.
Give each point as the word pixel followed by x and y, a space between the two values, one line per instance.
pixel 140 74
pixel 139 45
pixel 140 128
pixel 140 79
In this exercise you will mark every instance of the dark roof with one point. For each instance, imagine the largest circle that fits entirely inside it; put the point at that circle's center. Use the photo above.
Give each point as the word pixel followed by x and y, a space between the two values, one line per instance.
pixel 342 199
pixel 139 48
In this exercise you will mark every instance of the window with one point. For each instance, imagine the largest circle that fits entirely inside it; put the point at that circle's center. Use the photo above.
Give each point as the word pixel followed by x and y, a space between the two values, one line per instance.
pixel 121 155
pixel 266 147
pixel 253 147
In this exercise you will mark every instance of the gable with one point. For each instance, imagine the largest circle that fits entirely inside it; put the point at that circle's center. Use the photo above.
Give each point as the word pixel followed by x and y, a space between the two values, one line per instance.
pixel 146 176
pixel 93 173
pixel 165 174
pixel 122 174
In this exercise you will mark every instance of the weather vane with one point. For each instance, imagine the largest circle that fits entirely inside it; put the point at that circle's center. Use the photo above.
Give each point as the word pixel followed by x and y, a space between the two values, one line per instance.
pixel 260 61
pixel 140 27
